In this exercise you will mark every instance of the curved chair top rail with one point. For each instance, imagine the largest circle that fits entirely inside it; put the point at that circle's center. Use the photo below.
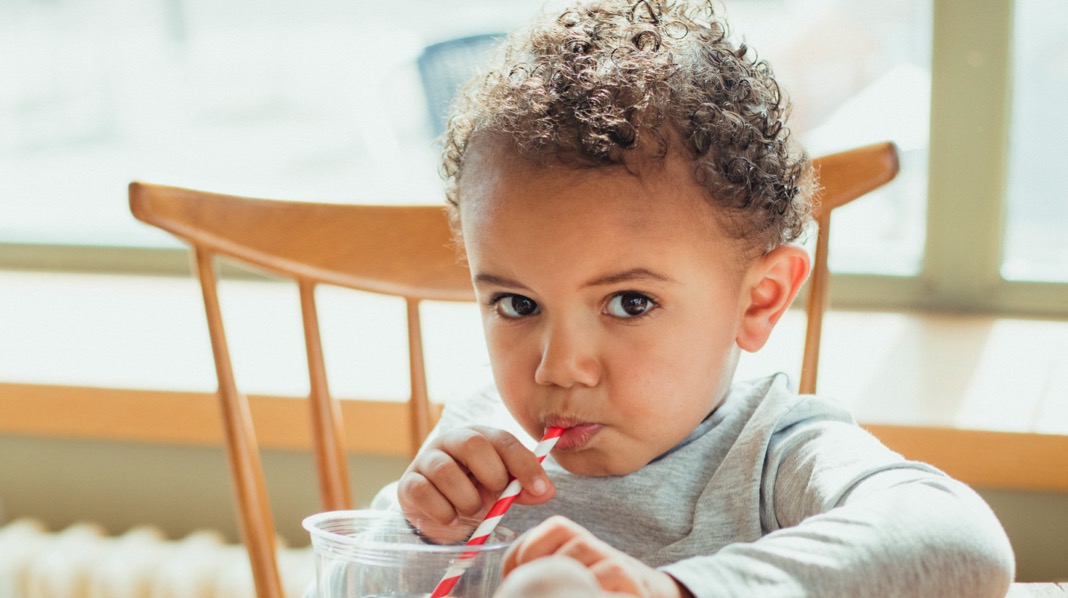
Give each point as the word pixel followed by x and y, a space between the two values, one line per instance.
pixel 398 250
pixel 845 176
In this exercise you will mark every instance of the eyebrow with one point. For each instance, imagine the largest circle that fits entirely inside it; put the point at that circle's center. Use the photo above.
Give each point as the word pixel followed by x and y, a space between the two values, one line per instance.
pixel 634 274
pixel 499 281
pixel 639 274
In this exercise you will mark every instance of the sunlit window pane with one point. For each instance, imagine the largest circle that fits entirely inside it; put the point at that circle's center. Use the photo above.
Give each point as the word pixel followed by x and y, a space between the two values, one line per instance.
pixel 858 72
pixel 1036 247
pixel 322 99
pixel 315 99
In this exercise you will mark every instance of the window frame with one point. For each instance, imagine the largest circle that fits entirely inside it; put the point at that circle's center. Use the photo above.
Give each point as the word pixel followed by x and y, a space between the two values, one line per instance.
pixel 971 72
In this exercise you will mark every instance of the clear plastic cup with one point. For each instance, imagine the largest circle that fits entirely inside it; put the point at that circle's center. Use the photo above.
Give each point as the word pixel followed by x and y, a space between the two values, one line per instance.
pixel 377 553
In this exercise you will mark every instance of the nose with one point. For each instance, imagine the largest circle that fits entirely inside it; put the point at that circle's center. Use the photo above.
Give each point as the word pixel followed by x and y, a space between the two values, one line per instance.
pixel 568 358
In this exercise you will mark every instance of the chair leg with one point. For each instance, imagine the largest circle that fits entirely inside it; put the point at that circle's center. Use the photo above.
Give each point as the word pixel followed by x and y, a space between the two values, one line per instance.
pixel 257 523
pixel 419 402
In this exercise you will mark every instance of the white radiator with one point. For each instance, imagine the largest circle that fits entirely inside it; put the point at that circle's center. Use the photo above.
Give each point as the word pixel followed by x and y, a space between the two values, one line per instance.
pixel 83 562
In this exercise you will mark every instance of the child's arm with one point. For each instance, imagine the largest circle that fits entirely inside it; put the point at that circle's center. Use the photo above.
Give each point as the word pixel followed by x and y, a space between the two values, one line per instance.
pixel 459 473
pixel 848 517
pixel 915 539
pixel 842 516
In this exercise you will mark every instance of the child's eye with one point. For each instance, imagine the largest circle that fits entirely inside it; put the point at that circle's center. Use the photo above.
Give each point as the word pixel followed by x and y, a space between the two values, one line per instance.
pixel 515 306
pixel 629 304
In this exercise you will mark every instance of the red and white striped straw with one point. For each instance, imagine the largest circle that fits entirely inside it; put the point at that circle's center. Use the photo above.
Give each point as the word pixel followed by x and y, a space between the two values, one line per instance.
pixel 496 513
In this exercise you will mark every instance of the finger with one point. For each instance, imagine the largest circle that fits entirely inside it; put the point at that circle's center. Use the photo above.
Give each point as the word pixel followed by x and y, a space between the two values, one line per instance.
pixel 420 499
pixel 451 481
pixel 614 575
pixel 478 451
pixel 543 540
pixel 521 463
pixel 614 570
pixel 555 577
pixel 586 549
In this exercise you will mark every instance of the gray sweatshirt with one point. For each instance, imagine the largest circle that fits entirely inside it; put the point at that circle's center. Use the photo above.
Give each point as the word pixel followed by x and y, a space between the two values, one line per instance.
pixel 776 494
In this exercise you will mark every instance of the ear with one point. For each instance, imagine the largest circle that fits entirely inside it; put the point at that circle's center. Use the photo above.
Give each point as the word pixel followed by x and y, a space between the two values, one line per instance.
pixel 771 283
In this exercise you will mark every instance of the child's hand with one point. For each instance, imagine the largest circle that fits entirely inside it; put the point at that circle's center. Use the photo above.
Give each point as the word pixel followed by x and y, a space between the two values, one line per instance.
pixel 552 577
pixel 460 474
pixel 614 571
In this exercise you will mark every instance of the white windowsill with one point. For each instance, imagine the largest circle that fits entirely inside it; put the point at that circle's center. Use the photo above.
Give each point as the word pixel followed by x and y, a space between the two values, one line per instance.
pixel 959 371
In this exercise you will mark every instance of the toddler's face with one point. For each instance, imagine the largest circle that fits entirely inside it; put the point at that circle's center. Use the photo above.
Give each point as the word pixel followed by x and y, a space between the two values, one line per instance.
pixel 610 302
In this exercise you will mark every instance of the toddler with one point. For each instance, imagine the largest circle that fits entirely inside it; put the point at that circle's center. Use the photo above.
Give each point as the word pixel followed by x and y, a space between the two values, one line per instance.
pixel 627 195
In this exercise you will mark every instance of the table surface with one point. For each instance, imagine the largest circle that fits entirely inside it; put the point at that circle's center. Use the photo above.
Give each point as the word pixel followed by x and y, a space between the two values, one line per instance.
pixel 1040 590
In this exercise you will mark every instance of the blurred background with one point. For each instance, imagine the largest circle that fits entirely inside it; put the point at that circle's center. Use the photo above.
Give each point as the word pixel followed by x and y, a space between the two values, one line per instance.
pixel 325 100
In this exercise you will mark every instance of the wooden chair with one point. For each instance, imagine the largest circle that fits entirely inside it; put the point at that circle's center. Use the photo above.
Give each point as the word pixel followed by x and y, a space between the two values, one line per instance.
pixel 403 251
pixel 842 177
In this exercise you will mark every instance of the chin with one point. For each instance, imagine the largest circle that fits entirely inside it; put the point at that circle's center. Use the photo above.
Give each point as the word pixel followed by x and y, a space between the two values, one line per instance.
pixel 594 466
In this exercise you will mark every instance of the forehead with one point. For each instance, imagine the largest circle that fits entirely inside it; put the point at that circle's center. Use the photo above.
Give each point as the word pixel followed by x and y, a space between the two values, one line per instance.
pixel 495 176
pixel 505 199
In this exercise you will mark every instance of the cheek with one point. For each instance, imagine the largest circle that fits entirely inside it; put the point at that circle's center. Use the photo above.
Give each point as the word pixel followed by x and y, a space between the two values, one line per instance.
pixel 509 357
pixel 513 373
pixel 685 359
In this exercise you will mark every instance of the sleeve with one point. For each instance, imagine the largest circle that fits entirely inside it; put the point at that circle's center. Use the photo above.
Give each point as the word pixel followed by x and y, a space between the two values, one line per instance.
pixel 848 517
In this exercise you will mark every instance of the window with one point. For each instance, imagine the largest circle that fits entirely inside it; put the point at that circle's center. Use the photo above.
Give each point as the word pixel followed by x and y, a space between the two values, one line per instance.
pixel 319 100
pixel 322 100
pixel 1037 194
pixel 858 73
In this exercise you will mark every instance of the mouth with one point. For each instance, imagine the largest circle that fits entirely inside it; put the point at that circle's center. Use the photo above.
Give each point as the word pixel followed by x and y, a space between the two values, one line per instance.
pixel 576 435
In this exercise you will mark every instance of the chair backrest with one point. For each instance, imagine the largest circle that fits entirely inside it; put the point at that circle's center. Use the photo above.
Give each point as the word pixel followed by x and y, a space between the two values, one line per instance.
pixel 404 251
pixel 842 177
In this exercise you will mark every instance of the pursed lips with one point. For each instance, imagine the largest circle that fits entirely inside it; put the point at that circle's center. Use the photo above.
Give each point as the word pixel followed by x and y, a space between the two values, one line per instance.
pixel 577 434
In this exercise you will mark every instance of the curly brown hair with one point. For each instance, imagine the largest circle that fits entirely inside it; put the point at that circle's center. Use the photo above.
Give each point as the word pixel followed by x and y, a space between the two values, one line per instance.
pixel 611 82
